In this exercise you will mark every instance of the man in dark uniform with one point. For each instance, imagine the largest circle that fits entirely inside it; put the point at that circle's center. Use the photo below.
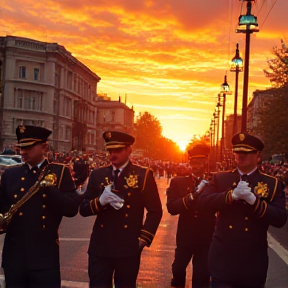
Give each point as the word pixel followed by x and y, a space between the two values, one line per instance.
pixel 248 202
pixel 194 231
pixel 118 195
pixel 30 255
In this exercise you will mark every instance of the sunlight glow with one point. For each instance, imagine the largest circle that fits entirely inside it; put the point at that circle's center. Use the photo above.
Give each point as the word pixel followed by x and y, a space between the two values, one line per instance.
pixel 169 59
pixel 182 145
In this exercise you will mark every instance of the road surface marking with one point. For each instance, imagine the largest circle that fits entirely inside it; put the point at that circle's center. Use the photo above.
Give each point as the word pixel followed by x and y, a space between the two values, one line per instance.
pixel 278 248
pixel 75 239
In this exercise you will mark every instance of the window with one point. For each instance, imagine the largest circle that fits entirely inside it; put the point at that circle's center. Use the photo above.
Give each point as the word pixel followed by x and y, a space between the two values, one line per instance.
pixel 69 80
pixel 36 74
pixel 68 133
pixel 55 106
pixel 57 80
pixel 17 122
pixel 20 102
pixel 29 100
pixel 67 106
pixel 22 72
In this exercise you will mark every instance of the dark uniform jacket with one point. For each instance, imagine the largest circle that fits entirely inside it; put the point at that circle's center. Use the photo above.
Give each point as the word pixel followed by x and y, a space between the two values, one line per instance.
pixel 116 232
pixel 194 227
pixel 238 252
pixel 32 235
pixel 81 172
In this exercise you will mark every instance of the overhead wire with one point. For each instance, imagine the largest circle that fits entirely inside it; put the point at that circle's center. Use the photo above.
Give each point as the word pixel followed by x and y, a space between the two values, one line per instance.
pixel 268 14
pixel 261 6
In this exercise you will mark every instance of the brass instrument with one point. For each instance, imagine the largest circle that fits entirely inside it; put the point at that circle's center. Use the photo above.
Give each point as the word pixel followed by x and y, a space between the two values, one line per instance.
pixel 45 179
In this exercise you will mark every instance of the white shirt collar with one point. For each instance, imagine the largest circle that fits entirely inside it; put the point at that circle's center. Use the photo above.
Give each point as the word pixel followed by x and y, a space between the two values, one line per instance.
pixel 241 173
pixel 38 165
pixel 122 167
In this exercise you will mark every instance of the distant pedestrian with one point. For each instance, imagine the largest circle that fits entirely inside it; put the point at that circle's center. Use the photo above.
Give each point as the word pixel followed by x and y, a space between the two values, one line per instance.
pixel 119 194
pixel 248 202
pixel 194 231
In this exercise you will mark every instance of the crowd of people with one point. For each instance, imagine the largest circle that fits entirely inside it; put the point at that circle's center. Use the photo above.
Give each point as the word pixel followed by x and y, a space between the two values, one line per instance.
pixel 160 168
pixel 222 224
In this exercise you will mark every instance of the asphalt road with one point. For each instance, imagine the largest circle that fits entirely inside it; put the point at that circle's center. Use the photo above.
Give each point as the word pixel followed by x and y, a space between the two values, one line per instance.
pixel 155 269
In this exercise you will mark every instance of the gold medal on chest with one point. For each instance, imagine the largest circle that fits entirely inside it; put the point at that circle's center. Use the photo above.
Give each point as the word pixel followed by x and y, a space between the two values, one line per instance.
pixel 262 190
pixel 132 181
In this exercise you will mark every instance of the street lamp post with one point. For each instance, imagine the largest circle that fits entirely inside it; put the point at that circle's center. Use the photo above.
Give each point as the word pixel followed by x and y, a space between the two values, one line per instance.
pixel 236 66
pixel 212 141
pixel 217 116
pixel 247 24
pixel 225 89
pixel 212 134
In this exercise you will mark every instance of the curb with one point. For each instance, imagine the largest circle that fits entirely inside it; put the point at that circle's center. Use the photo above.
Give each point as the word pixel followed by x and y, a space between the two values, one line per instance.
pixel 64 283
pixel 72 284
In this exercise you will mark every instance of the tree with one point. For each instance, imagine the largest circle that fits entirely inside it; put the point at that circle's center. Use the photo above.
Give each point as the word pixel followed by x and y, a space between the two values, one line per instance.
pixel 148 133
pixel 278 67
pixel 202 141
pixel 167 150
pixel 149 139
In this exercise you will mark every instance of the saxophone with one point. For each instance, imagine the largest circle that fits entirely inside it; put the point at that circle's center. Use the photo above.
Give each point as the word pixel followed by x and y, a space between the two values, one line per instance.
pixel 45 179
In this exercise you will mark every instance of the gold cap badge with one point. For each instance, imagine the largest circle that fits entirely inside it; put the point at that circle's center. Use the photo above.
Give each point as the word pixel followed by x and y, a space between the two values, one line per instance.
pixel 241 137
pixel 22 129
pixel 108 135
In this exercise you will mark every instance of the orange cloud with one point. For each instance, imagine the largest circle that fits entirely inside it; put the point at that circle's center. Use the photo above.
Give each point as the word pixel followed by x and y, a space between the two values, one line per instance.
pixel 169 57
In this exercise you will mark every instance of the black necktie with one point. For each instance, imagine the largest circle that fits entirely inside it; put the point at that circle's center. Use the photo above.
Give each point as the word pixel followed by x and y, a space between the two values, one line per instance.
pixel 115 178
pixel 34 169
pixel 244 177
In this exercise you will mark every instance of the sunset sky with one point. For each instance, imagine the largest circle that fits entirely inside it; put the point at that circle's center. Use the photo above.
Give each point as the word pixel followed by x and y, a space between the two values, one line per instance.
pixel 169 57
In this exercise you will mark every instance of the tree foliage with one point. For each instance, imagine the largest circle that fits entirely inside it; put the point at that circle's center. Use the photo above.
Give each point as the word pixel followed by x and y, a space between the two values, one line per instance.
pixel 278 67
pixel 149 139
pixel 203 140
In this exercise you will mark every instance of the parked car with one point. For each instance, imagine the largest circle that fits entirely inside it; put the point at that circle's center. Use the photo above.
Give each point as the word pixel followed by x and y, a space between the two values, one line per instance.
pixel 7 161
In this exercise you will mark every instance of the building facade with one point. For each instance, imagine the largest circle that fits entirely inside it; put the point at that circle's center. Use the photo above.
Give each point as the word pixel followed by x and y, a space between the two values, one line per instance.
pixel 112 115
pixel 43 84
pixel 267 118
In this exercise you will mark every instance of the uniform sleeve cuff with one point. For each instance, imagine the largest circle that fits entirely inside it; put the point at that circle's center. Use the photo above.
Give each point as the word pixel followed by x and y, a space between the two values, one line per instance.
pixel 95 206
pixel 146 237
pixel 228 198
pixel 188 200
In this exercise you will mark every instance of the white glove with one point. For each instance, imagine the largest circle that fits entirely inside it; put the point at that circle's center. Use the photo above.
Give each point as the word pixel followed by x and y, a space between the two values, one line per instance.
pixel 201 185
pixel 117 204
pixel 108 196
pixel 243 191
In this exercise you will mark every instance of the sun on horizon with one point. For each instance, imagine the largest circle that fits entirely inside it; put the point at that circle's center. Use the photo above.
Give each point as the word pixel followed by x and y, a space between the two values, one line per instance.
pixel 182 145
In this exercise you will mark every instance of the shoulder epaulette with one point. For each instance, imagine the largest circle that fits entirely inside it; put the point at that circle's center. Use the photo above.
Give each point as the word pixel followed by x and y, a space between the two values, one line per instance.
pixel 268 175
pixel 142 167
pixel 104 166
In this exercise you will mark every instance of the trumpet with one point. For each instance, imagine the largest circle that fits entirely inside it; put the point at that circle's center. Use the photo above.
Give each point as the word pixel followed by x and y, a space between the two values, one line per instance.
pixel 44 180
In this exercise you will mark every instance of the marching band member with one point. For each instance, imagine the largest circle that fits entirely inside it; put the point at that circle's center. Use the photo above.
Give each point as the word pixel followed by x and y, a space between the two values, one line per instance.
pixel 119 194
pixel 30 256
